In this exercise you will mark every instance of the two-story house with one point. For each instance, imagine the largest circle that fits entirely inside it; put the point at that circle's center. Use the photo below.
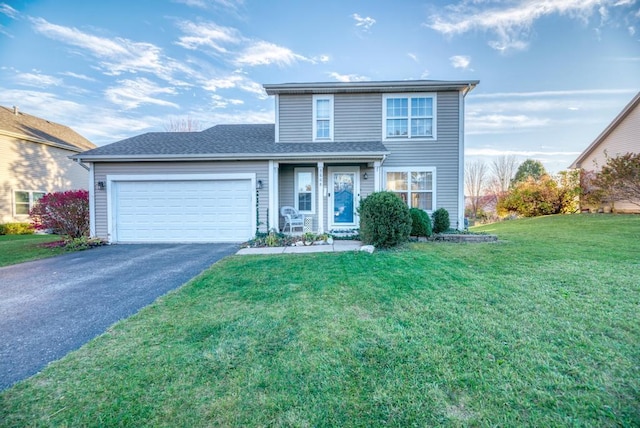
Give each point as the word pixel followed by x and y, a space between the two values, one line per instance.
pixel 332 144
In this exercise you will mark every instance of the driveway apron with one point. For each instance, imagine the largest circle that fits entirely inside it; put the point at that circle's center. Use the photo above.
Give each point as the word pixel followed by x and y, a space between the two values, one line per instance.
pixel 53 306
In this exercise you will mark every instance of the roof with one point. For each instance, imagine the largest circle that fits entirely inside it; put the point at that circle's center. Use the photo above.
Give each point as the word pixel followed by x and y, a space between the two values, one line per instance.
pixel 608 130
pixel 225 142
pixel 371 87
pixel 38 130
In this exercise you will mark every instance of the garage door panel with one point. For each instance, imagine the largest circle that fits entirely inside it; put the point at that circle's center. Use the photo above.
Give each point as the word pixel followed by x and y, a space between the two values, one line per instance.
pixel 183 211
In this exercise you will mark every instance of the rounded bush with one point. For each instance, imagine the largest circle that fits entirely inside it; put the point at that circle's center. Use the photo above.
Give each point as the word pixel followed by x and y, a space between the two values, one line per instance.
pixel 420 223
pixel 441 220
pixel 384 220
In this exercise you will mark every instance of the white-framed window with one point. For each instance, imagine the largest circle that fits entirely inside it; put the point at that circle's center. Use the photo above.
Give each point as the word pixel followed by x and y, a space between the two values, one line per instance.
pixel 409 116
pixel 323 118
pixel 305 190
pixel 415 185
pixel 25 200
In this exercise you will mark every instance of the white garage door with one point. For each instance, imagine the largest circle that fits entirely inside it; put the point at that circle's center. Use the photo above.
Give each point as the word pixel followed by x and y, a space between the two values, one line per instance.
pixel 183 211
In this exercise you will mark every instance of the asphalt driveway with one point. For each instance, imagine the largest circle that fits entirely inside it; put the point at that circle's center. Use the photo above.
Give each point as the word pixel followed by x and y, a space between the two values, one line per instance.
pixel 53 306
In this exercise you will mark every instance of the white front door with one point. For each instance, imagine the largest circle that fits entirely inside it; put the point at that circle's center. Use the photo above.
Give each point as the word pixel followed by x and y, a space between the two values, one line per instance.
pixel 343 196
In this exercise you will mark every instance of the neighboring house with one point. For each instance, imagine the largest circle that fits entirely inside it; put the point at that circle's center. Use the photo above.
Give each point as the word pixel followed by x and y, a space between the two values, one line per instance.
pixel 34 160
pixel 622 136
pixel 332 144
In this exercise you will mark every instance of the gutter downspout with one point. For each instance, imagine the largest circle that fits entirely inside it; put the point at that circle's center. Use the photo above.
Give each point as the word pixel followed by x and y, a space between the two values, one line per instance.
pixel 79 162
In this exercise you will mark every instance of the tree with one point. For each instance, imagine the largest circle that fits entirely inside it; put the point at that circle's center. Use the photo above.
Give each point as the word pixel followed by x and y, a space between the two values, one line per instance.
pixel 475 177
pixel 187 124
pixel 64 212
pixel 529 168
pixel 503 169
pixel 619 178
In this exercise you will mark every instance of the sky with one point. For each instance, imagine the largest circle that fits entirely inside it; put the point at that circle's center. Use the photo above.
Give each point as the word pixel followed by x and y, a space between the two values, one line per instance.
pixel 553 73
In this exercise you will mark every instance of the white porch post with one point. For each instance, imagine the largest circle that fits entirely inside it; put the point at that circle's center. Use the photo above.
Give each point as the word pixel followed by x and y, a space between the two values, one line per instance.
pixel 377 182
pixel 320 197
pixel 274 214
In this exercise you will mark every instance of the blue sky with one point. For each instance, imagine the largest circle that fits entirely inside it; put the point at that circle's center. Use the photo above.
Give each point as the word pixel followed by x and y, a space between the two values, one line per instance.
pixel 553 73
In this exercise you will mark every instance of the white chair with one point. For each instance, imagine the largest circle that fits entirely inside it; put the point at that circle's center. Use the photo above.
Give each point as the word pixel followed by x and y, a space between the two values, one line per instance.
pixel 292 218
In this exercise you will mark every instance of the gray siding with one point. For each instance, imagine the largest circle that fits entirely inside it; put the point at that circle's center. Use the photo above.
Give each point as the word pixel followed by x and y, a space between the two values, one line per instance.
pixel 357 117
pixel 443 153
pixel 295 118
pixel 101 170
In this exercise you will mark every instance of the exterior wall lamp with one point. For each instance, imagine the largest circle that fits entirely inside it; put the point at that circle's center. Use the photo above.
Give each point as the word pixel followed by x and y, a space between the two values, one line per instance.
pixel 101 185
pixel 365 176
pixel 259 185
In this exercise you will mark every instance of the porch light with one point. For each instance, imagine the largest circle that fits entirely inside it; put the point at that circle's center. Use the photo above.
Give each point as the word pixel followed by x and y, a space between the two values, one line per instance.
pixel 101 185
pixel 259 185
pixel 365 176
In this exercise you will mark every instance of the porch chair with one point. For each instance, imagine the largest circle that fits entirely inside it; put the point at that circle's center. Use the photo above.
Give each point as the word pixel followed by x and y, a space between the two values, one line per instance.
pixel 292 218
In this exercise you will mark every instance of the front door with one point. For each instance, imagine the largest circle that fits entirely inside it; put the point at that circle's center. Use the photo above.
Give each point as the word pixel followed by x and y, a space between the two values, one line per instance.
pixel 344 196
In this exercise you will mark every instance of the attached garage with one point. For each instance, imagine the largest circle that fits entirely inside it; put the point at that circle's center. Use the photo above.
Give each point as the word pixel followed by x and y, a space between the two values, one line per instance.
pixel 181 208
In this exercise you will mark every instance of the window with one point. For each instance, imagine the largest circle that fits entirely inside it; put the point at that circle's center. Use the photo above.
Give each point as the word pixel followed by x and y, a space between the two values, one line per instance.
pixel 322 117
pixel 414 185
pixel 409 116
pixel 24 200
pixel 305 190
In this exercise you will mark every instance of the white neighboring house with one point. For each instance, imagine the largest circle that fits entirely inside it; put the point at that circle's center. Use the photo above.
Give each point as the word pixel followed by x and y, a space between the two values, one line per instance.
pixel 622 136
pixel 34 160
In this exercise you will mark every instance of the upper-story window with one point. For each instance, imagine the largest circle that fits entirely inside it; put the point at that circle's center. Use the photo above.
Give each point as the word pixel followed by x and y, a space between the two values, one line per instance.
pixel 409 116
pixel 323 117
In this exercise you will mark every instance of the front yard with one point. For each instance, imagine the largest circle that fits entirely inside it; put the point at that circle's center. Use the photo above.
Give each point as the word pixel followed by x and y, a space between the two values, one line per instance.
pixel 540 329
pixel 21 248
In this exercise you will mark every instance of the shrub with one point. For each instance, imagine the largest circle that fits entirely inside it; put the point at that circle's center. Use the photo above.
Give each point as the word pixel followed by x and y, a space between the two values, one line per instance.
pixel 16 229
pixel 441 220
pixel 65 212
pixel 420 223
pixel 384 220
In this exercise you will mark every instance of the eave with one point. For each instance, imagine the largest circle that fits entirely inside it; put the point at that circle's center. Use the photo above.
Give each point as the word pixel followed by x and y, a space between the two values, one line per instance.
pixel 369 87
pixel 40 141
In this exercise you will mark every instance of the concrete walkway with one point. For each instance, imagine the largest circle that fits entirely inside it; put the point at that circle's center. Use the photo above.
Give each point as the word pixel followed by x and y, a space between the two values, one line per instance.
pixel 337 246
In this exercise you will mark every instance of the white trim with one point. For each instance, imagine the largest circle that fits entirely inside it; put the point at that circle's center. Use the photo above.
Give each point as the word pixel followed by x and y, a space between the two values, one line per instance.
pixel 409 95
pixel 317 98
pixel 296 200
pixel 31 201
pixel 92 201
pixel 409 170
pixel 277 127
pixel 356 197
pixel 461 164
pixel 320 194
pixel 112 199
pixel 377 182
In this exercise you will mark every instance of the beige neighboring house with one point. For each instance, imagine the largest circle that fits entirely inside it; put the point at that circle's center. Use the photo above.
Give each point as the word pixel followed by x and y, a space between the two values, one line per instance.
pixel 622 136
pixel 34 160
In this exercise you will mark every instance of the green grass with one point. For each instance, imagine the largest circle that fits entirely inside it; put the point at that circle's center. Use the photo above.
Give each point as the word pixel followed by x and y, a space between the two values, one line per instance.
pixel 541 329
pixel 22 248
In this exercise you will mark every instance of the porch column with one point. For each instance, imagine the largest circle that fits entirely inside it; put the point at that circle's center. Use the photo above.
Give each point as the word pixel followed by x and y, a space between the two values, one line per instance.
pixel 320 197
pixel 274 195
pixel 377 172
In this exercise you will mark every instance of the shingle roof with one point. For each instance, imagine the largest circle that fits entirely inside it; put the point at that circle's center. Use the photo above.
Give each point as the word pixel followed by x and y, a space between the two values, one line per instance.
pixel 39 129
pixel 239 141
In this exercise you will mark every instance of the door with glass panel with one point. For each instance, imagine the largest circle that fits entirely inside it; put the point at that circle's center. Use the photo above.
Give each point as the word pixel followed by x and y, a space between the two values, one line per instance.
pixel 344 193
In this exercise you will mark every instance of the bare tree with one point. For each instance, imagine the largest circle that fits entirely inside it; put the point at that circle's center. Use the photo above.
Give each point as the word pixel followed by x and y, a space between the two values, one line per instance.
pixel 182 124
pixel 503 169
pixel 475 180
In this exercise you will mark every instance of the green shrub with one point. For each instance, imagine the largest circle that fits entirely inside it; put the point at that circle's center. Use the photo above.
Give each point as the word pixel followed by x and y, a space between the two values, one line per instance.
pixel 441 220
pixel 384 220
pixel 420 223
pixel 16 229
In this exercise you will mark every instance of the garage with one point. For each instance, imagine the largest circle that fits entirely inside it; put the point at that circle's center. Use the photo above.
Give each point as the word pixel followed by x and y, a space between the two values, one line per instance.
pixel 179 209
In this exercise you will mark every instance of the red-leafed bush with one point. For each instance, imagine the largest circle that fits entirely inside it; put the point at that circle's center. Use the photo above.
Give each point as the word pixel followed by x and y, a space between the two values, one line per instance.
pixel 66 213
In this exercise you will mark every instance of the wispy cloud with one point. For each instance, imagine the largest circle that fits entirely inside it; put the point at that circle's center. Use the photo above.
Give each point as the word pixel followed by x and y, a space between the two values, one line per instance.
pixel 477 123
pixel 460 61
pixel 347 77
pixel 266 53
pixel 512 22
pixel 207 34
pixel 413 56
pixel 78 76
pixel 132 93
pixel 7 10
pixel 363 23
pixel 556 93
pixel 525 153
pixel 206 4
pixel 37 80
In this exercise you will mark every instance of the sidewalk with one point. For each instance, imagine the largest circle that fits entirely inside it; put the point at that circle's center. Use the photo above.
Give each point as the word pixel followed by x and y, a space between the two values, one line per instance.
pixel 337 246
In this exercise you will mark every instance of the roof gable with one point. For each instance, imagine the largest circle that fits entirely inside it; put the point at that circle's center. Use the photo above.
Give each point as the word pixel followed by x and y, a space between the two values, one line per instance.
pixel 38 130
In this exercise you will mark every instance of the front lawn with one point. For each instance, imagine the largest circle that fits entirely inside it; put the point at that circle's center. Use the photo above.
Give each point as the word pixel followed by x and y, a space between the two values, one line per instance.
pixel 540 329
pixel 21 248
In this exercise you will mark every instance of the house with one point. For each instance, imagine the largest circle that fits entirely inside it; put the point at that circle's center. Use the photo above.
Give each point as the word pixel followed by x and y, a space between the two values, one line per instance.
pixel 34 160
pixel 332 144
pixel 620 137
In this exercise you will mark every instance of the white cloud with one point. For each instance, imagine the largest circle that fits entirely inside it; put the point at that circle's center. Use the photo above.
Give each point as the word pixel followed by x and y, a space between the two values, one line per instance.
pixel 265 53
pixel 556 93
pixel 218 101
pixel 413 56
pixel 132 93
pixel 511 23
pixel 222 83
pixel 37 80
pixel 347 77
pixel 207 34
pixel 492 123
pixel 78 76
pixel 7 10
pixel 460 61
pixel 363 23
pixel 632 30
pixel 205 4
pixel 424 74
